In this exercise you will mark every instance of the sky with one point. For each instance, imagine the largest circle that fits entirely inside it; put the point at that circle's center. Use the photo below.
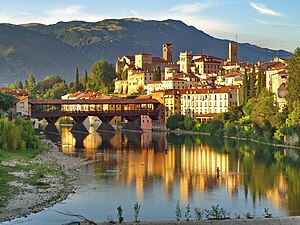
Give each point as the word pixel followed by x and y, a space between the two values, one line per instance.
pixel 272 24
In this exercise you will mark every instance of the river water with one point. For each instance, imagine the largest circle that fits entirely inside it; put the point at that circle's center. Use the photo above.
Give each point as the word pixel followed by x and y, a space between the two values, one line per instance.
pixel 157 169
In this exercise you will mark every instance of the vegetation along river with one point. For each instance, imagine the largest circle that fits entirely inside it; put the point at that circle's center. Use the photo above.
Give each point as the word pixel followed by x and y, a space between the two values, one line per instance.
pixel 157 169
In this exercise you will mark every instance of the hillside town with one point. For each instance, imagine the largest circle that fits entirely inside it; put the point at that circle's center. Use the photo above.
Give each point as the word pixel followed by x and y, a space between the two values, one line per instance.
pixel 197 85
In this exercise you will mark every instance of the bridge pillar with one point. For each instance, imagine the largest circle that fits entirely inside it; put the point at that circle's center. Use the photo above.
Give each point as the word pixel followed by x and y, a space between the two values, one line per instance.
pixel 105 126
pixel 79 132
pixel 131 124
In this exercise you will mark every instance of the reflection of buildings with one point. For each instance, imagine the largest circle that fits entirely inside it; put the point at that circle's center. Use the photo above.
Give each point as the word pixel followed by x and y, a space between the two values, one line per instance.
pixel 194 169
pixel 142 163
pixel 67 141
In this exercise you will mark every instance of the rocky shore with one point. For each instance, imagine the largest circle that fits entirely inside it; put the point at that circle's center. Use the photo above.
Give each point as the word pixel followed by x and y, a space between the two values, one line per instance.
pixel 54 182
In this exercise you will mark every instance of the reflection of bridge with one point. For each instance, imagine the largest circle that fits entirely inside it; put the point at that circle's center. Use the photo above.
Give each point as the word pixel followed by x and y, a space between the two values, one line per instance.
pixel 104 109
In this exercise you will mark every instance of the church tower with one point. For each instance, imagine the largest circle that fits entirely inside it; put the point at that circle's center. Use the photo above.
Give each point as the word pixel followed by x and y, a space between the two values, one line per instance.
pixel 233 52
pixel 167 52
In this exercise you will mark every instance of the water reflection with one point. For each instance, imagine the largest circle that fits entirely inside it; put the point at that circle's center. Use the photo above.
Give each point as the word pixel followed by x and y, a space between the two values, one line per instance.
pixel 184 167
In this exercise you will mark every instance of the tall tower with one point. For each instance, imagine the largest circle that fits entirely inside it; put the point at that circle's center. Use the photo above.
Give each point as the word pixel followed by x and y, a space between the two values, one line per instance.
pixel 167 52
pixel 233 52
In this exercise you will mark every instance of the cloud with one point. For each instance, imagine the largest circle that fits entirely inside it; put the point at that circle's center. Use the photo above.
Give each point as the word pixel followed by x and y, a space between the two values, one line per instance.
pixel 69 13
pixel 261 8
pixel 51 16
pixel 135 14
pixel 191 8
pixel 278 24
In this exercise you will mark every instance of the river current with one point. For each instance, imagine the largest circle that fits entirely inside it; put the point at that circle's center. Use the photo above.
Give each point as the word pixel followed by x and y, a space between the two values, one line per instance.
pixel 157 169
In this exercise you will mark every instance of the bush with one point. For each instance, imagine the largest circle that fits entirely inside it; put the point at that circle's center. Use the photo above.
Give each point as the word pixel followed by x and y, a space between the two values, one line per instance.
pixel 175 121
pixel 17 135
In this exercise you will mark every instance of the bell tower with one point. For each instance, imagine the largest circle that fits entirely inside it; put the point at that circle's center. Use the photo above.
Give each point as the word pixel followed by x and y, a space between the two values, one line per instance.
pixel 167 52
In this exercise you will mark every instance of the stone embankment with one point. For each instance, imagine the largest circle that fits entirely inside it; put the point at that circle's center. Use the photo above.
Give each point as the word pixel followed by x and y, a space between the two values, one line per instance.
pixel 257 221
pixel 35 197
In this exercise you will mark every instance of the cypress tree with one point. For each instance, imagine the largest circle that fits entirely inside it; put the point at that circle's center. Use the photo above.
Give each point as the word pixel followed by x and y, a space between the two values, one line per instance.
pixel 252 81
pixel 245 87
pixel 157 74
pixel 259 87
pixel 77 77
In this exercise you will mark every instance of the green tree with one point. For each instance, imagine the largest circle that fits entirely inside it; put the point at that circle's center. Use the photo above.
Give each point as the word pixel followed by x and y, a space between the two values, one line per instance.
pixel 20 85
pixel 58 90
pixel 84 80
pixel 259 84
pixel 188 122
pixel 264 110
pixel 43 88
pixel 77 77
pixel 102 75
pixel 252 82
pixel 31 82
pixel 26 85
pixel 175 121
pixel 157 74
pixel 293 83
pixel 245 87
pixel 7 101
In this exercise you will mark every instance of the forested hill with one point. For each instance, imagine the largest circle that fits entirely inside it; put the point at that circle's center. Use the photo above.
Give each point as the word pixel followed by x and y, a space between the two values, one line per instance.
pixel 57 49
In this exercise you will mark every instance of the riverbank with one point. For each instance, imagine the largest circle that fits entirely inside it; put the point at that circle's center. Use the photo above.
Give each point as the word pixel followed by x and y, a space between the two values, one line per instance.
pixel 295 220
pixel 40 182
pixel 180 132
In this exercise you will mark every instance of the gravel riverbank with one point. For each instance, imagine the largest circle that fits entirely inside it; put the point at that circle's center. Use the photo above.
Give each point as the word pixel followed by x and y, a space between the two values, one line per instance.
pixel 53 183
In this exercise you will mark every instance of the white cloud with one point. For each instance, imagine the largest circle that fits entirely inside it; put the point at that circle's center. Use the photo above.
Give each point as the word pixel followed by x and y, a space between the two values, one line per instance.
pixel 135 14
pixel 278 24
pixel 261 8
pixel 190 8
pixel 68 13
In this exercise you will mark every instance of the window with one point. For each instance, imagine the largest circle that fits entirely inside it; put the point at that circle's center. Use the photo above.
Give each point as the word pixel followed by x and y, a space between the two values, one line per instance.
pixel 22 105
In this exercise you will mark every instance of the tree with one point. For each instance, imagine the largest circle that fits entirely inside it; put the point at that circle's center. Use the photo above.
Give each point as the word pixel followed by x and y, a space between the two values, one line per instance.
pixel 259 84
pixel 31 82
pixel 157 74
pixel 264 110
pixel 20 85
pixel 175 121
pixel 252 82
pixel 26 85
pixel 245 87
pixel 102 74
pixel 7 101
pixel 293 83
pixel 58 90
pixel 84 80
pixel 77 77
pixel 188 123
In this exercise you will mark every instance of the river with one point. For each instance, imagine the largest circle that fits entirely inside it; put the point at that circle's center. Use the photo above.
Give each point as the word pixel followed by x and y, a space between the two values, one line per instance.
pixel 157 169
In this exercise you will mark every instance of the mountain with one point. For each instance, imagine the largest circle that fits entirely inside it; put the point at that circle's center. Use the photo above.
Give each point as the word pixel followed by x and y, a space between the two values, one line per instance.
pixel 57 49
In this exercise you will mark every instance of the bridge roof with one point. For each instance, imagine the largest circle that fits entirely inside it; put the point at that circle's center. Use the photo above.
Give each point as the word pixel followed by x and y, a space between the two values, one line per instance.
pixel 92 101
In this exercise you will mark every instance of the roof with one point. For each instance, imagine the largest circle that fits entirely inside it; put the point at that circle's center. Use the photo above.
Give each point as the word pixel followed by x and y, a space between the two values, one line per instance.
pixel 233 74
pixel 92 101
pixel 173 79
pixel 207 115
pixel 144 97
pixel 130 57
pixel 75 94
pixel 159 60
pixel 223 90
pixel 23 97
pixel 156 82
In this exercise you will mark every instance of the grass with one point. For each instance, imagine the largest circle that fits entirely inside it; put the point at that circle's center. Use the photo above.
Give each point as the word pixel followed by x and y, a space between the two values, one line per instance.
pixel 19 155
pixel 7 191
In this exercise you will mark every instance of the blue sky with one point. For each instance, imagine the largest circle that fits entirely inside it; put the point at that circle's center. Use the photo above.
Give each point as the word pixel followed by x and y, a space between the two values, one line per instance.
pixel 272 23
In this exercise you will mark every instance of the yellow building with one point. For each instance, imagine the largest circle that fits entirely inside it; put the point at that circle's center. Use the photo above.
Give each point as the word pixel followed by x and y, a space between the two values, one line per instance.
pixel 137 80
pixel 208 100
pixel 171 102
